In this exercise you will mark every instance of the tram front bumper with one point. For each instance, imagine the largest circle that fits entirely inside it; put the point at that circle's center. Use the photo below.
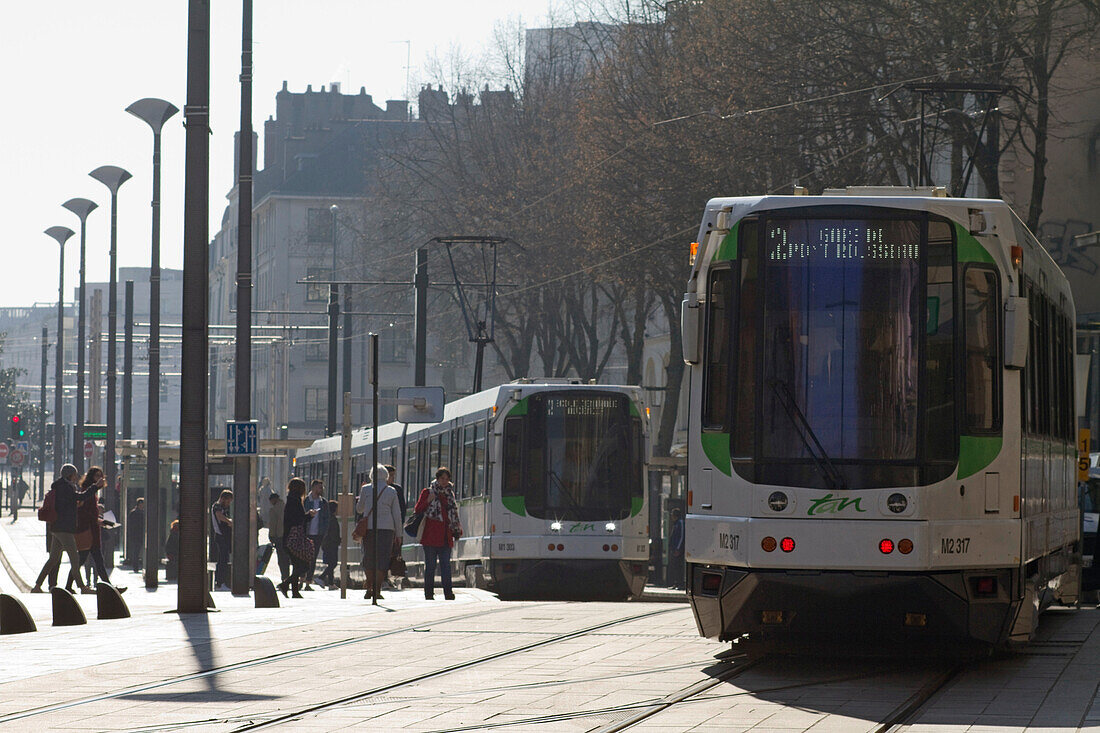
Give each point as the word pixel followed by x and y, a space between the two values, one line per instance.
pixel 839 606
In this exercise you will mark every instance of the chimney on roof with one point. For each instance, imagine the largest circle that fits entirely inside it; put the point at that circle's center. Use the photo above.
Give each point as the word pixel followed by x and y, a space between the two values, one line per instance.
pixel 335 87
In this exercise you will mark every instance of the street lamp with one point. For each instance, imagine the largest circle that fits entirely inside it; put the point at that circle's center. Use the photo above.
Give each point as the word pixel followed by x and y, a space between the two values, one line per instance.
pixel 80 207
pixel 61 234
pixel 153 112
pixel 112 177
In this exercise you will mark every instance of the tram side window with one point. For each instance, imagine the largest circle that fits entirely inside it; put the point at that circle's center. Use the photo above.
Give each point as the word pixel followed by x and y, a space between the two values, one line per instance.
pixel 480 464
pixel 716 378
pixel 982 353
pixel 410 466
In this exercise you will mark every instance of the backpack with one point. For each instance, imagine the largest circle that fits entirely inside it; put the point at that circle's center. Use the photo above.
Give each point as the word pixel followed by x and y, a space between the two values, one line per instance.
pixel 48 512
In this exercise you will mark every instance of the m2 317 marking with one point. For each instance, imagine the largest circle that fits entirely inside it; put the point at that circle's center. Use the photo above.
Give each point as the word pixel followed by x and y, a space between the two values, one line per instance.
pixel 954 545
pixel 830 504
pixel 728 541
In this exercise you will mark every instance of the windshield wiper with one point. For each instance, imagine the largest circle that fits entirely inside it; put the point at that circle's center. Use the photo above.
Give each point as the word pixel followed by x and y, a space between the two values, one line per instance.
pixel 825 466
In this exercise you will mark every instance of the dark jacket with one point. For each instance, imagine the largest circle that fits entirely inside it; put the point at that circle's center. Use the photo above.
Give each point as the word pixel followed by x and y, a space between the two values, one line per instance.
pixel 331 541
pixel 322 514
pixel 294 514
pixel 87 516
pixel 65 497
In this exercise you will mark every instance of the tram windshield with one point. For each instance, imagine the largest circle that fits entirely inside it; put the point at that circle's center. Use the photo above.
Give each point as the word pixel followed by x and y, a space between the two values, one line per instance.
pixel 848 381
pixel 574 456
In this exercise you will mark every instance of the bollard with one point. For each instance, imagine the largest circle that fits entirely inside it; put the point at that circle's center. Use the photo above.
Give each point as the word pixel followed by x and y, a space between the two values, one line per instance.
pixel 66 611
pixel 264 592
pixel 109 603
pixel 14 618
pixel 210 600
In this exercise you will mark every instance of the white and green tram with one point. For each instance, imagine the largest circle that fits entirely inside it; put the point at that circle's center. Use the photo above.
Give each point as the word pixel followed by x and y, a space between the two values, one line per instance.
pixel 551 479
pixel 882 423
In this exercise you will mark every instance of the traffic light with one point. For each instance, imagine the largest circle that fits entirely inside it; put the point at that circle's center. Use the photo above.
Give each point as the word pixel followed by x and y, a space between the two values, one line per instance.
pixel 18 429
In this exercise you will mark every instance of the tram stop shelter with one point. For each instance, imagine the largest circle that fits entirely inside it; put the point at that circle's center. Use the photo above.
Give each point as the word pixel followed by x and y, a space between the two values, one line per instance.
pixel 132 477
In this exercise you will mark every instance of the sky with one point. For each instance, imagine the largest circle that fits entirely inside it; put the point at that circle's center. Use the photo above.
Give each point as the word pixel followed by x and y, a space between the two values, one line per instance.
pixel 71 67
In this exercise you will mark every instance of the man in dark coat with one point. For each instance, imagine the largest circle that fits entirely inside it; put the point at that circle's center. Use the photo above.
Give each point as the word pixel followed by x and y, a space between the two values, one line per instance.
pixel 63 528
pixel 135 534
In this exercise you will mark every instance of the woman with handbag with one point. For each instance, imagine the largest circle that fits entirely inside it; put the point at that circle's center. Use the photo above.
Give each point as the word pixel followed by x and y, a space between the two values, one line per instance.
pixel 439 530
pixel 88 536
pixel 388 524
pixel 299 546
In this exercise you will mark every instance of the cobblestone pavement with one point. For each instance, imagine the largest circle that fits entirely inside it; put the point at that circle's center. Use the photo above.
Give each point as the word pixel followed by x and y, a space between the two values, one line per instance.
pixel 479 664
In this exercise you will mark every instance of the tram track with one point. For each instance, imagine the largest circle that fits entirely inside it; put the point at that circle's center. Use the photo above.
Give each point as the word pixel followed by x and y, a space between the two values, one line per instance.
pixel 289 717
pixel 255 662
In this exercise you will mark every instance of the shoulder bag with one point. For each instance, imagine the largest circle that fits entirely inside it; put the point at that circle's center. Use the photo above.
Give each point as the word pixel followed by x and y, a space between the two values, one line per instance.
pixel 48 511
pixel 300 546
pixel 414 526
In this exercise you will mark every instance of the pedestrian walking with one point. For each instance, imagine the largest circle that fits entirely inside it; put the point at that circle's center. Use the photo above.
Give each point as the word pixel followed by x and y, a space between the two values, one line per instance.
pixel 299 546
pixel 377 554
pixel 441 527
pixel 135 534
pixel 63 527
pixel 172 552
pixel 330 547
pixel 675 574
pixel 316 507
pixel 88 524
pixel 15 499
pixel 221 524
pixel 391 480
pixel 276 532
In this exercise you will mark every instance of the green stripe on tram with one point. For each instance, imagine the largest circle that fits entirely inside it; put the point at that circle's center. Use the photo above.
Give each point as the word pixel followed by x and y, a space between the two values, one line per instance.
pixel 515 504
pixel 969 248
pixel 727 250
pixel 976 452
pixel 716 446
pixel 519 409
pixel 636 503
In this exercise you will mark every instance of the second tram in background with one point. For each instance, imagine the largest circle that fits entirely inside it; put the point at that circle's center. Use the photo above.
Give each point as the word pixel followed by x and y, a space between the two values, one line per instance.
pixel 882 423
pixel 551 480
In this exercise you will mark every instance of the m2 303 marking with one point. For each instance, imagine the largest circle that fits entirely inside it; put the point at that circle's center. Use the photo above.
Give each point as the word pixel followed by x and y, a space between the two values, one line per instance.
pixel 830 504
pixel 954 545
pixel 506 546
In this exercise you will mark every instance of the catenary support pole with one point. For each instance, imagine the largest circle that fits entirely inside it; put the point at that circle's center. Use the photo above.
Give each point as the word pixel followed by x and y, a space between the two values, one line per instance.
pixel 128 363
pixel 373 576
pixel 192 580
pixel 333 327
pixel 243 510
pixel 41 490
pixel 420 318
pixel 347 512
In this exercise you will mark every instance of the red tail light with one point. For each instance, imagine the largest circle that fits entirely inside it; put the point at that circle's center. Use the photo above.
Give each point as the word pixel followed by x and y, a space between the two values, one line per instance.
pixel 985 586
pixel 786 544
pixel 711 582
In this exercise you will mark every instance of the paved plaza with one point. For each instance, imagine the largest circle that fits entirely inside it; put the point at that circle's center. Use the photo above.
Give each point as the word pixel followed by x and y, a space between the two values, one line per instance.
pixel 322 663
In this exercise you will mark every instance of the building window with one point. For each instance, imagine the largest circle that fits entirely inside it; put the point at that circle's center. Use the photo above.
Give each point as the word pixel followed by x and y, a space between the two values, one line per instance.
pixel 316 350
pixel 317 293
pixel 319 226
pixel 316 404
pixel 387 413
pixel 393 347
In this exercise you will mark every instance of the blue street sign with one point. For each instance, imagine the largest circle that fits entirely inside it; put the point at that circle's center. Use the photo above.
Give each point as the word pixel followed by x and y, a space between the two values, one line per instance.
pixel 241 438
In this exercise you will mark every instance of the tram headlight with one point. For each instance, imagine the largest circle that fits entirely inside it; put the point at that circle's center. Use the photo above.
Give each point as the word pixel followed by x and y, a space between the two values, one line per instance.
pixel 555 526
pixel 777 501
pixel 610 526
pixel 897 503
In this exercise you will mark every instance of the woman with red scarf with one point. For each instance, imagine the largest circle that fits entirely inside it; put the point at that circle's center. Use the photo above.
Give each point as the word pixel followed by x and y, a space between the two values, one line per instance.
pixel 441 529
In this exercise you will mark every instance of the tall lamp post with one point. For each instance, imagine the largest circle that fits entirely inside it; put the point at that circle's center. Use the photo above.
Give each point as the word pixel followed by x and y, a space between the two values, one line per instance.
pixel 153 112
pixel 80 207
pixel 61 234
pixel 112 177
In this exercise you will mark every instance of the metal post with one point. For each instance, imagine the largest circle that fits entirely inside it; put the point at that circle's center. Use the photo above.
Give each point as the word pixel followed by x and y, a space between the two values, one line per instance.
pixel 346 376
pixel 920 160
pixel 82 208
pixel 333 320
pixel 420 318
pixel 95 362
pixel 192 582
pixel 374 465
pixel 346 512
pixel 243 540
pixel 128 364
pixel 113 177
pixel 42 420
pixel 61 235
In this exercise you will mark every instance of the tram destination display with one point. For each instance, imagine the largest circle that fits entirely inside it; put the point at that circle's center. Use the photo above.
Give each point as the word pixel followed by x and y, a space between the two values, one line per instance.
pixel 829 240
